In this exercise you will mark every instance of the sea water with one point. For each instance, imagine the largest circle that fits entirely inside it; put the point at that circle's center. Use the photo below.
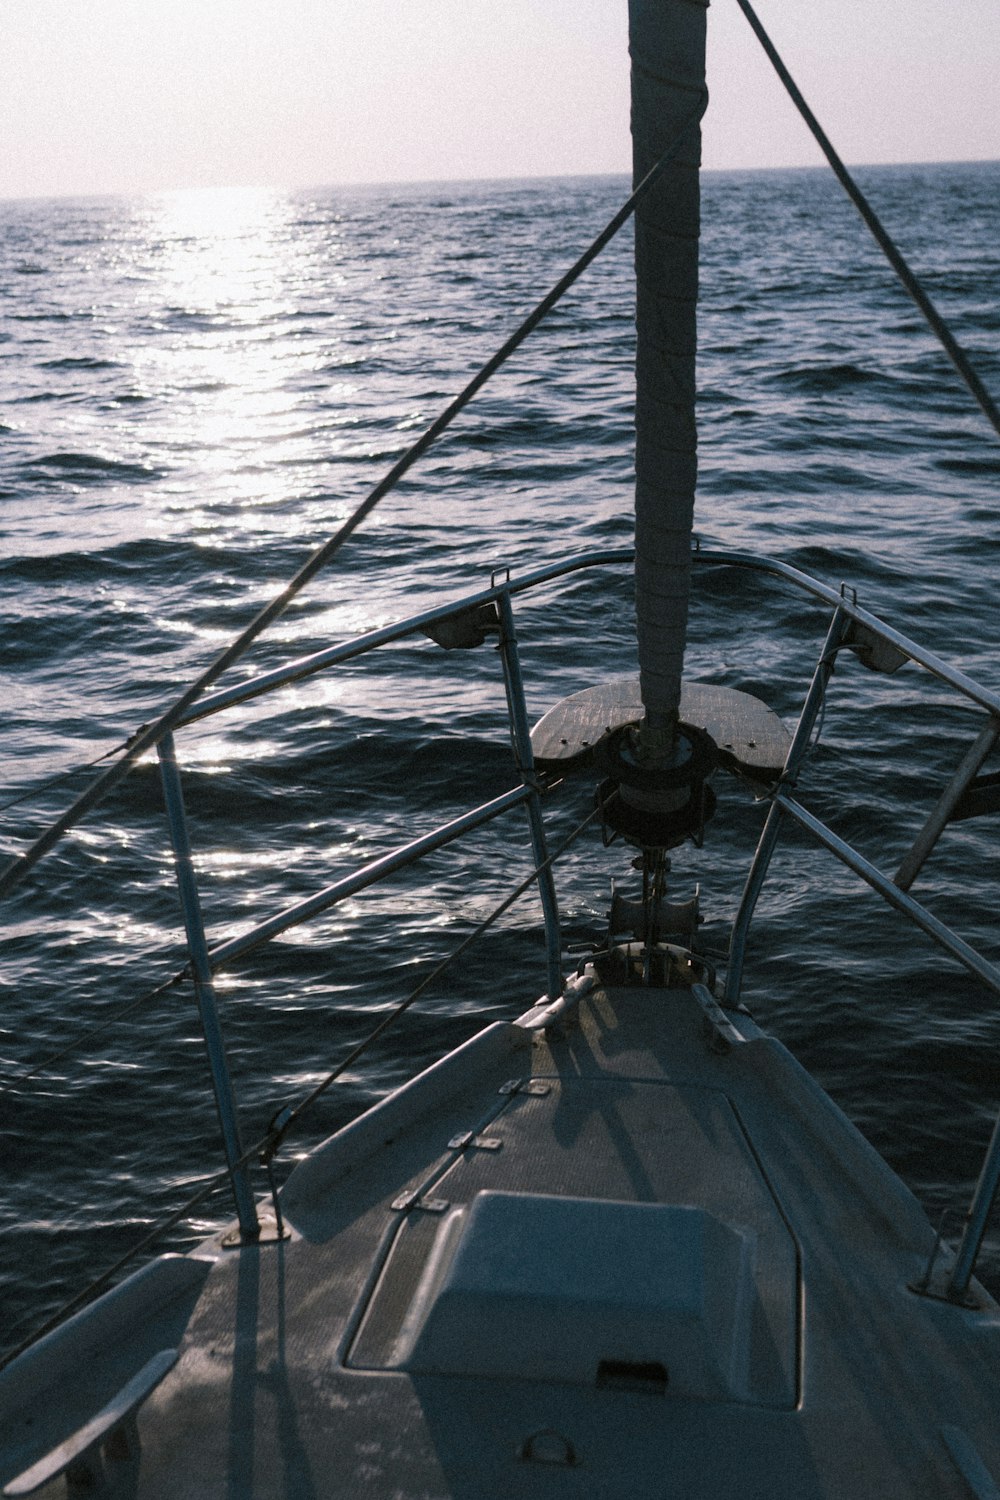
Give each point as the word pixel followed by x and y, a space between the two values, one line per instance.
pixel 197 388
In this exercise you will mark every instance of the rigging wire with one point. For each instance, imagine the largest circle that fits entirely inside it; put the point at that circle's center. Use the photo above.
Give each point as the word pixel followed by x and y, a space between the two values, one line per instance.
pixel 110 1022
pixel 885 242
pixel 98 1285
pixel 91 1033
pixel 283 1119
pixel 60 776
pixel 264 1150
pixel 15 872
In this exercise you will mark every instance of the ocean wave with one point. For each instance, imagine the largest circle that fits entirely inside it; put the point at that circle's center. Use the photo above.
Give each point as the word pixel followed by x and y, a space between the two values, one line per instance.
pixel 86 468
pixel 80 362
pixel 166 506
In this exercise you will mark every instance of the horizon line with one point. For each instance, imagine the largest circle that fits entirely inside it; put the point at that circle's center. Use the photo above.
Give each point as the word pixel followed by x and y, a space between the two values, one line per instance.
pixel 417 182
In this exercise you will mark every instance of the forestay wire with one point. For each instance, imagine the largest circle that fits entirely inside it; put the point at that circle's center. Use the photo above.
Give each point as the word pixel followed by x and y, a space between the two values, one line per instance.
pixel 152 733
pixel 886 244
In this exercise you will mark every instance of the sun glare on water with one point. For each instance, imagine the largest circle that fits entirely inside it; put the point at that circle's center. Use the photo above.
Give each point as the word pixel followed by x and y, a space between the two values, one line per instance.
pixel 224 286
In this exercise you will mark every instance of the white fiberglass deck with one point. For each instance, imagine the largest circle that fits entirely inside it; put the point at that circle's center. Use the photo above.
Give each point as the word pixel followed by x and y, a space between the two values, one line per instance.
pixel 639 1257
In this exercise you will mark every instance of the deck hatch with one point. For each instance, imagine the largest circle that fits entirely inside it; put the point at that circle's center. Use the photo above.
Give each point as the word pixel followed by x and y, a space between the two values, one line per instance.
pixel 556 1287
pixel 640 1154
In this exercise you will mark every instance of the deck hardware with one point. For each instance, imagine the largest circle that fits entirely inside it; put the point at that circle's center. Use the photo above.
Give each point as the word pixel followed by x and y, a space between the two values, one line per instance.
pixel 872 650
pixel 267 1161
pixel 427 1205
pixel 720 1033
pixel 547 1446
pixel 271 1233
pixel 663 800
pixel 922 1286
pixel 524 1086
pixel 631 917
pixel 464 629
pixel 938 1291
pixel 469 1138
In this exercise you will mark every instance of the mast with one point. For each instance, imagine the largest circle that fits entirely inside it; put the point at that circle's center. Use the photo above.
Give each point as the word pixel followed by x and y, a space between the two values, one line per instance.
pixel 667 47
pixel 656 794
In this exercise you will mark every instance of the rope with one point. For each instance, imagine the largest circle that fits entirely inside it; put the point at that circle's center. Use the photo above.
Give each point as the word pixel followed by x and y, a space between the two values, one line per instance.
pixel 18 868
pixel 264 1150
pixel 886 244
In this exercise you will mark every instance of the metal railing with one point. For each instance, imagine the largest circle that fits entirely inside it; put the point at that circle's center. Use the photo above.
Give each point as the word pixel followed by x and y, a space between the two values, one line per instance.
pixel 884 648
pixel 489 612
pixel 484 613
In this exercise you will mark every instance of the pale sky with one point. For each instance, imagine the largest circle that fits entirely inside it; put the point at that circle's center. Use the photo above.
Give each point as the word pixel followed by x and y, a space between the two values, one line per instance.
pixel 125 96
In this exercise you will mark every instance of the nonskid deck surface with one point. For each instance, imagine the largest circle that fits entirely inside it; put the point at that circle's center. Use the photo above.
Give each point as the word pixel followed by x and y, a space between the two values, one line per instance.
pixel 635 1257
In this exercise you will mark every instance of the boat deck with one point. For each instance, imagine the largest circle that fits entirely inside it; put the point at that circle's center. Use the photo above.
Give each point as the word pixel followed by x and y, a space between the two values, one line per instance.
pixel 450 1271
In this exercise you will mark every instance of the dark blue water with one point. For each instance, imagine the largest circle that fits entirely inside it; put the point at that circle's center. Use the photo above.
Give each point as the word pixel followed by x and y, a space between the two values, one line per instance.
pixel 198 388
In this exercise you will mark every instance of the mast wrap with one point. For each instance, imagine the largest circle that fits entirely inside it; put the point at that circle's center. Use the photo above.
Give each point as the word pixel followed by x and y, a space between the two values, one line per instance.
pixel 667 47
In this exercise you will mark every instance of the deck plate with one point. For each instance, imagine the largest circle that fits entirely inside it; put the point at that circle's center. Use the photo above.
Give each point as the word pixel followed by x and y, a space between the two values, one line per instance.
pixel 750 736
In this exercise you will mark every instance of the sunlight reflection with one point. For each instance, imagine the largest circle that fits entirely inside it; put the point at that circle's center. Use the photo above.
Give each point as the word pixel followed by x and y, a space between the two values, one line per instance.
pixel 214 211
pixel 227 863
pixel 227 279
pixel 222 251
